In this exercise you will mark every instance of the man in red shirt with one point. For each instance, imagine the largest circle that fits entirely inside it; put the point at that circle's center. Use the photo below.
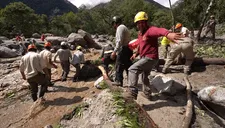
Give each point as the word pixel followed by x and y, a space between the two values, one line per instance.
pixel 148 51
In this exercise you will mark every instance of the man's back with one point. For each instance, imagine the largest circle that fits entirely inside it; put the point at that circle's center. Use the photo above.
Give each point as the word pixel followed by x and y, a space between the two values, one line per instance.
pixel 64 54
pixel 46 56
pixel 31 64
pixel 78 57
pixel 122 35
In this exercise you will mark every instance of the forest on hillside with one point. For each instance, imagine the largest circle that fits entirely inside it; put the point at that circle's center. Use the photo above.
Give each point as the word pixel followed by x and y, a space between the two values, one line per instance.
pixel 19 18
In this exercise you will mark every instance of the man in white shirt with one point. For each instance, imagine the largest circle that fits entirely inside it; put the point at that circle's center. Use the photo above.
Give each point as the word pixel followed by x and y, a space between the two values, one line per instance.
pixel 64 56
pixel 121 52
pixel 46 55
pixel 32 71
pixel 78 58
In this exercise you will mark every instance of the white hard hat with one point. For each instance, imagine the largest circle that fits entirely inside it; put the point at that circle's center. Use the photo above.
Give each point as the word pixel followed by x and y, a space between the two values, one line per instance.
pixel 63 43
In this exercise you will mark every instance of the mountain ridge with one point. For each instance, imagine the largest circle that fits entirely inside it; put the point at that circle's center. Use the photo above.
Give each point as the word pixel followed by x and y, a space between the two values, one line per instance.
pixel 48 7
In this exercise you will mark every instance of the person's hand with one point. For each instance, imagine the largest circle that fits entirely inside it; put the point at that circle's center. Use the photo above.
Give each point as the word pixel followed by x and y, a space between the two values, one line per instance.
pixel 133 57
pixel 113 55
pixel 174 37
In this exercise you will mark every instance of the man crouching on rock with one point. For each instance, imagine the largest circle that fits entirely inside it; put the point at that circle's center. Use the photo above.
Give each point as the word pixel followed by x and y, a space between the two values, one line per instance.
pixel 31 70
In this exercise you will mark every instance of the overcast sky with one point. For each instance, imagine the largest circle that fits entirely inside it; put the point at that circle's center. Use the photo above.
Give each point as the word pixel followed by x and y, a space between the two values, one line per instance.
pixel 95 2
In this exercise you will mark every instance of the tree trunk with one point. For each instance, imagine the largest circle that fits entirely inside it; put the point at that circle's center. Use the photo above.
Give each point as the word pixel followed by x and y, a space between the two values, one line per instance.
pixel 204 19
pixel 200 61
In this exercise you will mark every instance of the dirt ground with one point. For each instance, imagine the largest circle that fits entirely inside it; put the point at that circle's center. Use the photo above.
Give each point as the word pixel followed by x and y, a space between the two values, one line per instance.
pixel 169 111
pixel 166 112
pixel 61 99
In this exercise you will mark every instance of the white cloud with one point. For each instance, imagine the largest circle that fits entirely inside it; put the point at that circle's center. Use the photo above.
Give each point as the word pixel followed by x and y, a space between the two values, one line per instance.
pixel 78 3
pixel 165 2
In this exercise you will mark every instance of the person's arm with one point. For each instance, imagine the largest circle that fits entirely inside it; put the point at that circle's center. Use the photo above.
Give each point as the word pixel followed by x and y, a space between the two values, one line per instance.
pixel 82 58
pixel 157 32
pixel 22 69
pixel 119 38
pixel 102 54
pixel 135 54
pixel 70 56
pixel 55 56
pixel 173 37
pixel 49 57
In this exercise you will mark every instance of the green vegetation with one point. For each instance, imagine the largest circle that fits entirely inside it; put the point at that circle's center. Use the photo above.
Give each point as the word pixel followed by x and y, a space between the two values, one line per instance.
pixel 10 94
pixel 212 50
pixel 127 111
pixel 191 12
pixel 18 17
pixel 77 112
pixel 103 85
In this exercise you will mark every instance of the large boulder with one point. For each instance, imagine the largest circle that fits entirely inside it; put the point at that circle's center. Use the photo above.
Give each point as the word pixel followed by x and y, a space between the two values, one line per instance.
pixel 55 40
pixel 89 71
pixel 212 93
pixel 214 98
pixel 167 85
pixel 36 35
pixel 10 44
pixel 6 52
pixel 3 38
pixel 76 39
pixel 87 37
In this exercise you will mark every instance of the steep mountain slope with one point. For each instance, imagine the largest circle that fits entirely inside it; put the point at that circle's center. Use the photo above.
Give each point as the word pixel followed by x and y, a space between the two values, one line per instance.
pixel 48 7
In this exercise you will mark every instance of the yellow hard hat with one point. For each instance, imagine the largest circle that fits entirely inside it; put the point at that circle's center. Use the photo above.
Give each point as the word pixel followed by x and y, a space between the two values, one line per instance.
pixel 79 47
pixel 140 16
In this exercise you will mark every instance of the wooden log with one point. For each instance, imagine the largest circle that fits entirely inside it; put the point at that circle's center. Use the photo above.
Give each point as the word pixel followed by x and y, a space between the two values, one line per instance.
pixel 189 107
pixel 9 60
pixel 198 61
pixel 151 123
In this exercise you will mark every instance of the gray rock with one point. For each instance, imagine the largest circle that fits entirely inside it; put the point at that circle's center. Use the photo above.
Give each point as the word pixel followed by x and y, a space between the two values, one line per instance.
pixel 76 39
pixel 48 126
pixel 167 85
pixel 55 40
pixel 7 53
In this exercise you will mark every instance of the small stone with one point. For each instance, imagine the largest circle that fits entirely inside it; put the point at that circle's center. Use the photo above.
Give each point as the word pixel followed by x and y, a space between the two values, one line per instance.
pixel 48 126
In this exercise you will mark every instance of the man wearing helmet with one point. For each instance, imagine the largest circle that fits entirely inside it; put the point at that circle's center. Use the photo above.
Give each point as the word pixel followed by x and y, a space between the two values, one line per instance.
pixel 65 57
pixel 210 26
pixel 122 50
pixel 180 28
pixel 148 51
pixel 78 58
pixel 46 55
pixel 32 71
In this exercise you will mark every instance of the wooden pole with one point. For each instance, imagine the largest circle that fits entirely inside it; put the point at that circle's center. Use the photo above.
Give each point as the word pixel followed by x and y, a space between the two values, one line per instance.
pixel 173 20
pixel 189 107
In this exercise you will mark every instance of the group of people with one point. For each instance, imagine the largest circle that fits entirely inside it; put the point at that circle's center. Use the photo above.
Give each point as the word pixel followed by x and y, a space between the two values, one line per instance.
pixel 148 52
pixel 36 67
